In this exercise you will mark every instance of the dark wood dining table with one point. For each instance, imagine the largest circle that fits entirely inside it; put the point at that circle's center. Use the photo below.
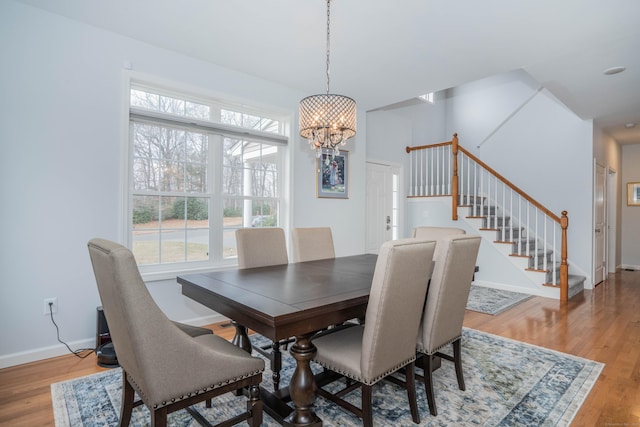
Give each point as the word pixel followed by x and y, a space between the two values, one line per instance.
pixel 291 300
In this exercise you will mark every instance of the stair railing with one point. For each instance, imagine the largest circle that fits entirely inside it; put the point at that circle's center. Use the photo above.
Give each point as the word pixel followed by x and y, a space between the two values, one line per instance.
pixel 447 169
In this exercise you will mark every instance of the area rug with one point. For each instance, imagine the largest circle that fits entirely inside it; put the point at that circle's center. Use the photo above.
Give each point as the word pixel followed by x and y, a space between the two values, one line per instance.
pixel 493 301
pixel 508 383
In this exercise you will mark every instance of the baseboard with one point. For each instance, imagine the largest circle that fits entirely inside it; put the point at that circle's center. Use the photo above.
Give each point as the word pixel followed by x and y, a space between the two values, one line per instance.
pixel 629 267
pixel 42 353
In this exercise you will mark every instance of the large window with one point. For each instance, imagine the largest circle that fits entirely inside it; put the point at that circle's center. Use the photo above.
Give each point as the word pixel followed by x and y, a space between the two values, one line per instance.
pixel 198 170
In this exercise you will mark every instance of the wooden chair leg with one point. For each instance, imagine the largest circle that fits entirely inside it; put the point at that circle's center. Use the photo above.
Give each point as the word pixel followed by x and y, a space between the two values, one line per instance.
pixel 276 365
pixel 410 375
pixel 457 358
pixel 367 410
pixel 428 383
pixel 254 406
pixel 159 417
pixel 127 401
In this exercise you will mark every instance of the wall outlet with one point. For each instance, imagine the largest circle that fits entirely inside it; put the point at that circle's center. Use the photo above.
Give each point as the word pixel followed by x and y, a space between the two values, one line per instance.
pixel 54 307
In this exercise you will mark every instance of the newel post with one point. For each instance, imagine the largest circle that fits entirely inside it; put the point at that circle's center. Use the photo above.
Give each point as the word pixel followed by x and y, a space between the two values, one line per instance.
pixel 454 178
pixel 564 266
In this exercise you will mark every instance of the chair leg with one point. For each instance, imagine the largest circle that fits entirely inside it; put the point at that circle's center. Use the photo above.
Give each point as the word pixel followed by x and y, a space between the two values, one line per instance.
pixel 159 417
pixel 276 365
pixel 410 375
pixel 127 401
pixel 367 410
pixel 428 383
pixel 457 359
pixel 254 406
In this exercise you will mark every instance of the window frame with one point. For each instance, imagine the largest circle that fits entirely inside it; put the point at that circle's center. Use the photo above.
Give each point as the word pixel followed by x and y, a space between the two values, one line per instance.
pixel 215 165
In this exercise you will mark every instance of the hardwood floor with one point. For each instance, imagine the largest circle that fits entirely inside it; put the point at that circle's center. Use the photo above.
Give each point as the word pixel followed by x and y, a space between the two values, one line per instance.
pixel 602 325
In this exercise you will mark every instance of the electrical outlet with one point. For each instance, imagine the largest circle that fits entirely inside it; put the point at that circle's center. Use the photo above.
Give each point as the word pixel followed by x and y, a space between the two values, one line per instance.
pixel 54 307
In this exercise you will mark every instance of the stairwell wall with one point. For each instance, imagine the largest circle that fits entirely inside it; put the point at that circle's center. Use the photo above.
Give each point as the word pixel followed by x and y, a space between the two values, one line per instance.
pixel 537 143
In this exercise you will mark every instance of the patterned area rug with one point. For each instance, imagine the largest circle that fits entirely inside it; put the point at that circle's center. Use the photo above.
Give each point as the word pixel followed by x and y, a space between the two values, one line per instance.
pixel 508 383
pixel 493 301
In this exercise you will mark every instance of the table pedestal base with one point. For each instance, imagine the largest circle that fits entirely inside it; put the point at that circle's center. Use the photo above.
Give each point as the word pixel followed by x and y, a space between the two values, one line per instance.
pixel 303 388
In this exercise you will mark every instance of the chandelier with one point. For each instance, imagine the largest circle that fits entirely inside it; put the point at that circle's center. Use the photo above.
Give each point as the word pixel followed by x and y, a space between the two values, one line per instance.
pixel 327 120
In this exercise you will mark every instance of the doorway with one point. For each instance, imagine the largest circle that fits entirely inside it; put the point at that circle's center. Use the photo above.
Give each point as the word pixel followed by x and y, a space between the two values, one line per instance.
pixel 612 216
pixel 383 211
pixel 599 225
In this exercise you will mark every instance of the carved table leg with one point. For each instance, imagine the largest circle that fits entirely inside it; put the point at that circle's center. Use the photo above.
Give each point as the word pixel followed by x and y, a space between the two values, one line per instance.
pixel 303 387
pixel 241 338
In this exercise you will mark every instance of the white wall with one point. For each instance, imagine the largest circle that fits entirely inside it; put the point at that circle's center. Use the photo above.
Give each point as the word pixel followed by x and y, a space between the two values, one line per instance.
pixel 535 142
pixel 61 127
pixel 630 214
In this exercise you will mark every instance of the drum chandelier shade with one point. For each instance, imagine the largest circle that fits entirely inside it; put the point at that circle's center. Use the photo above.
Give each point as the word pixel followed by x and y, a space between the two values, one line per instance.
pixel 327 120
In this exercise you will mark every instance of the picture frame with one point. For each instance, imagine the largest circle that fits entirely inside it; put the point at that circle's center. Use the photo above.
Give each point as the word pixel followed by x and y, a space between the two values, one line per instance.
pixel 332 175
pixel 633 194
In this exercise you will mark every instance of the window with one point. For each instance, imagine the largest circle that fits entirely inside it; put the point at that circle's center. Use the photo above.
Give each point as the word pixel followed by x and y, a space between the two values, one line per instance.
pixel 198 170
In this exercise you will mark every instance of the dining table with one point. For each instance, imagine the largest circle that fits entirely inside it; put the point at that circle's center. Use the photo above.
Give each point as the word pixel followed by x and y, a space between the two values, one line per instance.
pixel 284 301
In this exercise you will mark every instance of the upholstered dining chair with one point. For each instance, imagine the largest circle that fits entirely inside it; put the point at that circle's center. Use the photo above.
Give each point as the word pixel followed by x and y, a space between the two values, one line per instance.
pixel 435 233
pixel 262 247
pixel 445 307
pixel 312 243
pixel 167 368
pixel 387 341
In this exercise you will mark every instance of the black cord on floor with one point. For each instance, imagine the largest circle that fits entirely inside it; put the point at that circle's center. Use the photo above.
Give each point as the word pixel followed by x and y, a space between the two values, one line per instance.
pixel 77 353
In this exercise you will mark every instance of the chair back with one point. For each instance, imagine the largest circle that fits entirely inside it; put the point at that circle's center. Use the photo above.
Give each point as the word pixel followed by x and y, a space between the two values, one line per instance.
pixel 163 364
pixel 313 243
pixel 126 302
pixel 448 291
pixel 260 247
pixel 395 306
pixel 435 233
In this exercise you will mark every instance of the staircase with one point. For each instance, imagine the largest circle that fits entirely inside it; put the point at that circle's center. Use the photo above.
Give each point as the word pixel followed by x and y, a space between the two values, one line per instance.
pixel 529 235
pixel 522 248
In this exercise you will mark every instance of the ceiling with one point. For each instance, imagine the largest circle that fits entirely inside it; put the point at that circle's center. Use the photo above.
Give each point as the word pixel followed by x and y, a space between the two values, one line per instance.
pixel 387 52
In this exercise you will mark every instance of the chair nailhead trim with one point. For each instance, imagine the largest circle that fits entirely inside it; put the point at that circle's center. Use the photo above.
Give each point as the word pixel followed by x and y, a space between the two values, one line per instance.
pixel 374 380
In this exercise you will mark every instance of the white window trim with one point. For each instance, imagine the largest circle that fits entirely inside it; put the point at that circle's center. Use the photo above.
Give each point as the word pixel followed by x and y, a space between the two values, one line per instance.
pixel 137 78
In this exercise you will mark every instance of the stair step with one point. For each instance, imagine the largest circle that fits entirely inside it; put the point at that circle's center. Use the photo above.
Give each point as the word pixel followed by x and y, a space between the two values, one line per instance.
pixel 576 285
pixel 495 221
pixel 464 200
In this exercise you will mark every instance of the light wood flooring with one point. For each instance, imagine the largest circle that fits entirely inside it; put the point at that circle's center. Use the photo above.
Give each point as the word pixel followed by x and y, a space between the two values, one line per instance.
pixel 602 325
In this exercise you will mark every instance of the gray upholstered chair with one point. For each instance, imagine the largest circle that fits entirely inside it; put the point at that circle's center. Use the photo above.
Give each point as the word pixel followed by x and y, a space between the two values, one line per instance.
pixel 168 368
pixel 262 247
pixel 312 243
pixel 445 306
pixel 387 342
pixel 435 233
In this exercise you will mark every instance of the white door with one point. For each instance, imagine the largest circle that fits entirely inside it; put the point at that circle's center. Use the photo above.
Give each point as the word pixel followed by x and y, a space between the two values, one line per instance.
pixel 382 205
pixel 612 203
pixel 599 232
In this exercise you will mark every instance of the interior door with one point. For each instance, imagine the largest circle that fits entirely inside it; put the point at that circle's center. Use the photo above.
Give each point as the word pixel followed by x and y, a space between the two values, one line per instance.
pixel 380 216
pixel 612 203
pixel 599 232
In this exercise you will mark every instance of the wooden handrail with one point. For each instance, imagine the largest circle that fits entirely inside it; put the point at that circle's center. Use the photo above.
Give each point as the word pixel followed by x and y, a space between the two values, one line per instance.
pixel 422 147
pixel 530 199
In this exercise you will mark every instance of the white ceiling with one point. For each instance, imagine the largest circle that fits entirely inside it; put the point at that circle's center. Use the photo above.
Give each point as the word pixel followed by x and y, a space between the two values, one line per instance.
pixel 386 52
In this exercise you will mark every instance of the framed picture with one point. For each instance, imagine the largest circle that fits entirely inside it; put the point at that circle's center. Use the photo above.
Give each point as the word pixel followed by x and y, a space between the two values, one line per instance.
pixel 332 177
pixel 633 194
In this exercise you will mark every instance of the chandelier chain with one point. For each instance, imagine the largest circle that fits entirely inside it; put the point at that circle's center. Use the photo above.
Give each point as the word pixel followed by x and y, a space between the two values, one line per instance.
pixel 328 42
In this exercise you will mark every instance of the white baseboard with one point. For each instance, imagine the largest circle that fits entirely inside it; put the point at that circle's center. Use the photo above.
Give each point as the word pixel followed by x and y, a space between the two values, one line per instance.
pixel 42 353
pixel 630 267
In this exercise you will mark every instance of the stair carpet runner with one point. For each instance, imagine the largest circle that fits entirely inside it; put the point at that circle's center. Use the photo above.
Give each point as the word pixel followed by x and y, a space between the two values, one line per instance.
pixel 508 233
